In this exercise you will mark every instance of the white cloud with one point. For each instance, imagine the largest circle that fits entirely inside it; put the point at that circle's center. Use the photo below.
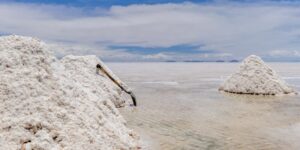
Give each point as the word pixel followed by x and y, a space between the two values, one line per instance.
pixel 238 29
pixel 159 56
pixel 285 53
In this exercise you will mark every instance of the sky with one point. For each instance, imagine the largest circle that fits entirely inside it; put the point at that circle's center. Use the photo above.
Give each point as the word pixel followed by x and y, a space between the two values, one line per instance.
pixel 159 30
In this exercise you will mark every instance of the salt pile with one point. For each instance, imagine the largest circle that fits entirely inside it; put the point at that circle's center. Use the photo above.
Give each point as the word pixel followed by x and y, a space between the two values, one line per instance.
pixel 49 104
pixel 255 77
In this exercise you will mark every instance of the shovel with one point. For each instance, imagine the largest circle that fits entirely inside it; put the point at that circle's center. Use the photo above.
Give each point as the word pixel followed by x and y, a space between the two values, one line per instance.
pixel 117 82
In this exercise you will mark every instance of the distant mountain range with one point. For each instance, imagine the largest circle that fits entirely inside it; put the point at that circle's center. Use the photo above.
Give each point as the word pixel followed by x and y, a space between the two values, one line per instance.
pixel 192 61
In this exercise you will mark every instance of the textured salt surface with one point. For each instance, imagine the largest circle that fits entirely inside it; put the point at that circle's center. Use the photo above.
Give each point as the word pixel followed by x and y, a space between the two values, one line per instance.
pixel 50 104
pixel 255 77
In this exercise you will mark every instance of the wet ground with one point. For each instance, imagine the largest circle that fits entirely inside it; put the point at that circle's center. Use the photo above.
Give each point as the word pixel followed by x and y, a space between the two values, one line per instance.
pixel 179 107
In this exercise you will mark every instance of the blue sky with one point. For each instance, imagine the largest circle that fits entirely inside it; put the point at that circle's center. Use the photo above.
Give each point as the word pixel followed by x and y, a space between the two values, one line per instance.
pixel 109 3
pixel 130 2
pixel 106 3
pixel 191 49
pixel 159 30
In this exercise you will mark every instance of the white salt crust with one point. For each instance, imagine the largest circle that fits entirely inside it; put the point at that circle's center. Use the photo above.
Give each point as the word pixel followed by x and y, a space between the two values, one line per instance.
pixel 50 104
pixel 255 77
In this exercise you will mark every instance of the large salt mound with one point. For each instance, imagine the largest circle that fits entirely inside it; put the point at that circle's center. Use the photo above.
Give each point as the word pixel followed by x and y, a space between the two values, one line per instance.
pixel 255 77
pixel 49 104
pixel 82 70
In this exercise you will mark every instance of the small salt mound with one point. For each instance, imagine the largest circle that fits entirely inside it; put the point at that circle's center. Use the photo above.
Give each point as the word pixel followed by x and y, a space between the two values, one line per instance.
pixel 50 104
pixel 255 77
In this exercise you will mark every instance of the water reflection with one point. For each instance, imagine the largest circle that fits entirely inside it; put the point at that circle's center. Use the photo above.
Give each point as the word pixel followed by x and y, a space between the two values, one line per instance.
pixel 192 114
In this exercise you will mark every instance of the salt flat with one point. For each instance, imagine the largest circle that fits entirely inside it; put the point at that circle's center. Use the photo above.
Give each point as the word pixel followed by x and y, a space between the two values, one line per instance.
pixel 180 107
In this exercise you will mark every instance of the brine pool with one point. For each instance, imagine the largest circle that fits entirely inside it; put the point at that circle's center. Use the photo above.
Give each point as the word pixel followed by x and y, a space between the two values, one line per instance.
pixel 180 107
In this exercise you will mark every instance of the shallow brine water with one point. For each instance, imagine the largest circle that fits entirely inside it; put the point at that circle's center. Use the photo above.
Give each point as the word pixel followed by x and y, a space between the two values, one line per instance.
pixel 179 107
